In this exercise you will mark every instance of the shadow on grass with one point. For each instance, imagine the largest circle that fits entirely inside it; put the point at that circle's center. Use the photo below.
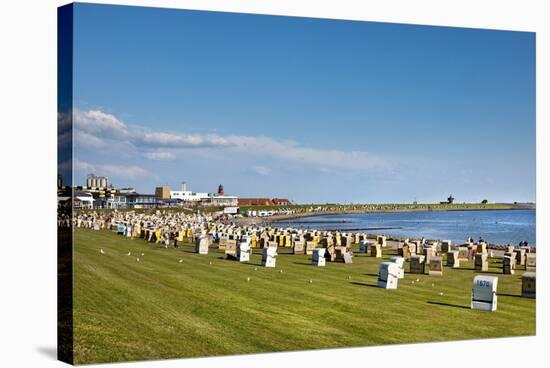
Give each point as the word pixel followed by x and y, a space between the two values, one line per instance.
pixel 303 263
pixel 250 264
pixel 478 272
pixel 371 274
pixel 448 305
pixel 512 295
pixel 363 284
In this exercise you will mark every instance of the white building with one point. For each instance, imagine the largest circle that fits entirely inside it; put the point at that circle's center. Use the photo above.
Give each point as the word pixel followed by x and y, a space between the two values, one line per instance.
pixel 187 195
pixel 220 200
pixel 207 199
pixel 81 199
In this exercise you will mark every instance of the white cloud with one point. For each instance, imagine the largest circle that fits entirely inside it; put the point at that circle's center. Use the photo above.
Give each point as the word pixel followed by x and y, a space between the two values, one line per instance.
pixel 168 139
pixel 96 126
pixel 260 170
pixel 120 171
pixel 83 166
pixel 99 122
pixel 291 151
pixel 160 155
pixel 130 172
pixel 85 139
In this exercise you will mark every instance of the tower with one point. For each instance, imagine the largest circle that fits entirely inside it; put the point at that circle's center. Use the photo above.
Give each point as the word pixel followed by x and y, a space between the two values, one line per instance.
pixel 220 190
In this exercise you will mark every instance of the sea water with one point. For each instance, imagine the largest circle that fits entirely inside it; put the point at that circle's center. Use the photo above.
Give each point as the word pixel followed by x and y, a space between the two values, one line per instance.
pixel 493 226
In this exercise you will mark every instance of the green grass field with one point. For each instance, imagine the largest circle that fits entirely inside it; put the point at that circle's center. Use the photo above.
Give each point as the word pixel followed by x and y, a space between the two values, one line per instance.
pixel 161 308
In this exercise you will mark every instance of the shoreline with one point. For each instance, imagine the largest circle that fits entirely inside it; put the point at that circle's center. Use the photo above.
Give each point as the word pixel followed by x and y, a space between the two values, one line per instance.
pixel 292 216
pixel 287 219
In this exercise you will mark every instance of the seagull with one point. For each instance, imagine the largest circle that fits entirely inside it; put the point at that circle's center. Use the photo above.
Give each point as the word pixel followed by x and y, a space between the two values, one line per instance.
pixel 142 254
pixel 255 268
pixel 129 254
pixel 417 280
pixel 440 293
pixel 433 285
pixel 181 260
pixel 102 252
pixel 210 262
pixel 412 282
pixel 137 259
pixel 248 279
pixel 281 271
pixel 310 281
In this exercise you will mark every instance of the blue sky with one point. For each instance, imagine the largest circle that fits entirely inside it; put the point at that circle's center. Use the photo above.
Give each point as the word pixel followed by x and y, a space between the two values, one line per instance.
pixel 307 109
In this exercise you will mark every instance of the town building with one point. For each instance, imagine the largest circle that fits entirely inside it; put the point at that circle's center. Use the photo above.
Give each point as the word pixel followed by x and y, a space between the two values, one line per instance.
pixel 263 202
pixel 204 198
pixel 187 195
pixel 109 197
pixel 126 190
pixel 255 202
pixel 118 201
pixel 94 181
pixel 220 200
pixel 136 200
pixel 280 201
pixel 81 199
pixel 162 192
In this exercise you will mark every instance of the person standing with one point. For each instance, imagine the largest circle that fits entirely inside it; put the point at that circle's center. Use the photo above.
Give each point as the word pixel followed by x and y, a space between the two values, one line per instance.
pixel 175 237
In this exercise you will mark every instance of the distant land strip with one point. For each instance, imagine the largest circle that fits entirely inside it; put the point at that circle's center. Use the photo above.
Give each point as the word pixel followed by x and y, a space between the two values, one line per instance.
pixel 312 210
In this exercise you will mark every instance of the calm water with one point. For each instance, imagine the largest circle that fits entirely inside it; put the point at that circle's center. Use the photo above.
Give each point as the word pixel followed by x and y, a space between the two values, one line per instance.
pixel 500 227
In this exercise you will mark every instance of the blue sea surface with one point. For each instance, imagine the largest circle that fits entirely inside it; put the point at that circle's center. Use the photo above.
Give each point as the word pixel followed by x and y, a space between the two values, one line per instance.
pixel 495 227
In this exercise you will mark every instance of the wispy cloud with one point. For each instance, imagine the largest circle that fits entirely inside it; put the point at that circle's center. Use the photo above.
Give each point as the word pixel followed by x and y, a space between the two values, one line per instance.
pixel 83 166
pixel 160 155
pixel 260 170
pixel 99 122
pixel 86 139
pixel 120 171
pixel 95 126
pixel 130 172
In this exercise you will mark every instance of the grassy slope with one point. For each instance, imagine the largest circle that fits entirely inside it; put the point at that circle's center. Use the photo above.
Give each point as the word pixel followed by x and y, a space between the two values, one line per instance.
pixel 342 207
pixel 395 207
pixel 161 308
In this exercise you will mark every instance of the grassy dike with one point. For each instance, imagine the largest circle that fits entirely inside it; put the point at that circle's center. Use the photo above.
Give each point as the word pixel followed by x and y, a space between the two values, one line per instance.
pixel 175 303
pixel 393 207
pixel 337 208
